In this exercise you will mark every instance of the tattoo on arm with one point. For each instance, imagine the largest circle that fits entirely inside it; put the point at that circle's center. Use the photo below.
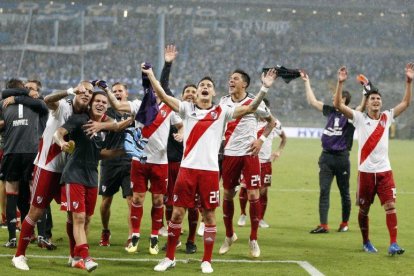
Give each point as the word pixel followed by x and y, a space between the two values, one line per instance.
pixel 257 100
pixel 55 97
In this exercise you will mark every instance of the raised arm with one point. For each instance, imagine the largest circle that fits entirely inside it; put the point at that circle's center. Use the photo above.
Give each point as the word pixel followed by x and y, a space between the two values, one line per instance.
pixel 14 92
pixel 338 102
pixel 361 106
pixel 310 96
pixel 406 101
pixel 267 81
pixel 170 54
pixel 52 100
pixel 120 106
pixel 172 102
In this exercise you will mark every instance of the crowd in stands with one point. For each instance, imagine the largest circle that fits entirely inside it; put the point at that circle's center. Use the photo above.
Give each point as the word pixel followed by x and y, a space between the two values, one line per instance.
pixel 215 46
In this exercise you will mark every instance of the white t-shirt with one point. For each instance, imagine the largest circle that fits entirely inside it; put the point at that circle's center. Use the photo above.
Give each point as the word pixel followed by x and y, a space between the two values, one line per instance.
pixel 266 150
pixel 240 133
pixel 373 149
pixel 203 132
pixel 49 156
pixel 157 133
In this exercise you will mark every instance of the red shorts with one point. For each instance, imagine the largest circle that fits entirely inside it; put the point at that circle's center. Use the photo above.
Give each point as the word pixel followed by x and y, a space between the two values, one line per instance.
pixel 370 184
pixel 46 186
pixel 157 174
pixel 173 169
pixel 266 174
pixel 234 166
pixel 191 182
pixel 78 198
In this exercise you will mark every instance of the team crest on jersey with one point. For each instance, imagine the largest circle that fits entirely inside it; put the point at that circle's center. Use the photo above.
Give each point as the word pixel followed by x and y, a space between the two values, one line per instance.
pixel 103 188
pixel 75 204
pixel 213 114
pixel 39 199
pixel 175 198
pixel 382 123
pixel 163 113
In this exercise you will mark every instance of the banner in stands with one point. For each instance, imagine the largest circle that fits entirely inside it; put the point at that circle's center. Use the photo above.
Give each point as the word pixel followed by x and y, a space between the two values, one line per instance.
pixel 74 49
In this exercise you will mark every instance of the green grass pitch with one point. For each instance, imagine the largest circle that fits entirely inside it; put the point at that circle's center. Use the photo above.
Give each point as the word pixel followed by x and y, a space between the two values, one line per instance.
pixel 291 213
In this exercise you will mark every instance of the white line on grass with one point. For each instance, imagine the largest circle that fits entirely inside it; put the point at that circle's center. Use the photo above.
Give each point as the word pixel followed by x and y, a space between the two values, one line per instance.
pixel 305 265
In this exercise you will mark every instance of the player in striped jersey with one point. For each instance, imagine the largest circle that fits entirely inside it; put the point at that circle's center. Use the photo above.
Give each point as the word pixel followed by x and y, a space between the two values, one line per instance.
pixel 155 170
pixel 266 157
pixel 204 125
pixel 374 170
pixel 241 157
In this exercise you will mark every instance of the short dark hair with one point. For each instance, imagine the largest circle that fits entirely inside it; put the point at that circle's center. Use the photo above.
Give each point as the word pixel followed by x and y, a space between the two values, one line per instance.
pixel 14 83
pixel 94 94
pixel 347 96
pixel 374 91
pixel 120 83
pixel 38 84
pixel 207 78
pixel 189 85
pixel 244 75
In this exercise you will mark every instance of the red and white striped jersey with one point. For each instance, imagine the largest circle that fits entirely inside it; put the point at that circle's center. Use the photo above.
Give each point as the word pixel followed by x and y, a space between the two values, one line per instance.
pixel 266 150
pixel 157 133
pixel 203 132
pixel 373 141
pixel 49 156
pixel 240 133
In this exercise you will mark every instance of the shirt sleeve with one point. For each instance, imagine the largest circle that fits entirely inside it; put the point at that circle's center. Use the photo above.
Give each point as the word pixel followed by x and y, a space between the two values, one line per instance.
pixel 357 117
pixel 175 119
pixel 327 109
pixel 62 109
pixel 182 110
pixel 134 106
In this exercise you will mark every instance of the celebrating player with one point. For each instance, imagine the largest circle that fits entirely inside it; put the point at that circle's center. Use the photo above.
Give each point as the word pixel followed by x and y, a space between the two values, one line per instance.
pixel 241 157
pixel 204 125
pixel 374 169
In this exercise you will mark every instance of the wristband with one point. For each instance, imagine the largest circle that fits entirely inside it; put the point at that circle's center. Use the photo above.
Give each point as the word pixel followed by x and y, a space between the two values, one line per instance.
pixel 70 91
pixel 263 138
pixel 264 89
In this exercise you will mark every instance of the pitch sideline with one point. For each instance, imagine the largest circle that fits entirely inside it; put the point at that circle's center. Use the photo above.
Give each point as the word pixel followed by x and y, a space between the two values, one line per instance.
pixel 313 271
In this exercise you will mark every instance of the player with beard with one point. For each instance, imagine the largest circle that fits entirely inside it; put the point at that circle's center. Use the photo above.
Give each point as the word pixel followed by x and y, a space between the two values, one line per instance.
pixel 80 174
pixel 49 163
